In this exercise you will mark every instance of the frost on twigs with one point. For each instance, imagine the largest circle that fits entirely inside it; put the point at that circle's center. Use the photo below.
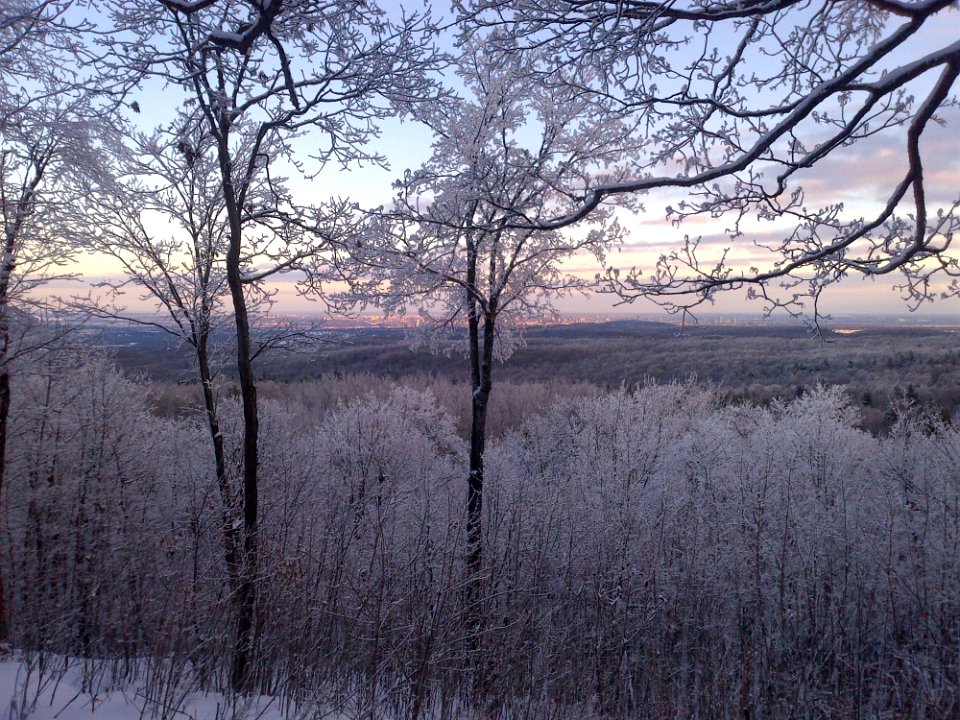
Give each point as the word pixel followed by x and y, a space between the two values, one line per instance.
pixel 783 107
pixel 459 243
pixel 627 534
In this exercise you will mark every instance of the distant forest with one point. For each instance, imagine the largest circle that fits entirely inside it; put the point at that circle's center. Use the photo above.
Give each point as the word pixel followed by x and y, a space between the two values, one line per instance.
pixel 880 368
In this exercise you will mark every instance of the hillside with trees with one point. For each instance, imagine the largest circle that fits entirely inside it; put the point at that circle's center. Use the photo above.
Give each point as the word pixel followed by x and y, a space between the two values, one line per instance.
pixel 535 523
pixel 645 550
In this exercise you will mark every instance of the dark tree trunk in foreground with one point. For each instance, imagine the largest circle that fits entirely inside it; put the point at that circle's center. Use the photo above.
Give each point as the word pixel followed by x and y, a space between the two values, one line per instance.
pixel 9 254
pixel 481 369
pixel 246 594
pixel 228 514
pixel 6 272
pixel 4 415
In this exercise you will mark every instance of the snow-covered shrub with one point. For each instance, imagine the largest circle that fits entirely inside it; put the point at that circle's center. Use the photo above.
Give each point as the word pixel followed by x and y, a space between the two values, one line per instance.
pixel 647 553
pixel 91 512
pixel 574 496
pixel 652 551
pixel 361 537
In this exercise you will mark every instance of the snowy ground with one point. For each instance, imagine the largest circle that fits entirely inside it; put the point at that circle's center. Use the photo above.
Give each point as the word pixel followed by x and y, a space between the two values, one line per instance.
pixel 71 691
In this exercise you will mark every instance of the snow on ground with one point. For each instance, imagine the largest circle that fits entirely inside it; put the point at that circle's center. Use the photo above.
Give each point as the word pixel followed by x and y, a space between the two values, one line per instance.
pixel 67 692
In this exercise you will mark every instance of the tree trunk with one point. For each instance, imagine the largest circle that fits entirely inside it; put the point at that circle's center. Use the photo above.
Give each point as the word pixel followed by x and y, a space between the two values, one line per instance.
pixel 478 438
pixel 228 511
pixel 481 355
pixel 6 272
pixel 246 595
pixel 4 416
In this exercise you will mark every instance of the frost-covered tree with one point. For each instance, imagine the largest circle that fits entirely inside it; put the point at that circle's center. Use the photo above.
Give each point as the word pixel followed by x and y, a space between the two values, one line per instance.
pixel 164 219
pixel 744 105
pixel 257 77
pixel 48 150
pixel 510 148
pixel 93 516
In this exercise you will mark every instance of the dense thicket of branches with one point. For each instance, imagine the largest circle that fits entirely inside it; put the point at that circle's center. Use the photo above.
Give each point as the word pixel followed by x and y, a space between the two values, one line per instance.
pixel 49 127
pixel 646 551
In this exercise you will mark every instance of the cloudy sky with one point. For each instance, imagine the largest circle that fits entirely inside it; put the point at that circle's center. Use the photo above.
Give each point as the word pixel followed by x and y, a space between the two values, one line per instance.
pixel 861 177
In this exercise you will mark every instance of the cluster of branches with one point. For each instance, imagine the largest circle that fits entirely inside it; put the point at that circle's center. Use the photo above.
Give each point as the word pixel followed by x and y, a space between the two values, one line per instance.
pixel 741 102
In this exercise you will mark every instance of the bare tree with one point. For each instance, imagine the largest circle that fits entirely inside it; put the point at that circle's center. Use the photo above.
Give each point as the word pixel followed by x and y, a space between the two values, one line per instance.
pixel 446 247
pixel 48 147
pixel 742 103
pixel 257 76
pixel 164 219
pixel 39 44
pixel 170 179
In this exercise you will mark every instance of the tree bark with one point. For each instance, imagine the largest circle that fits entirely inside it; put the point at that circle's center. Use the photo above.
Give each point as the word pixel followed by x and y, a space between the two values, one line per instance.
pixel 228 512
pixel 4 416
pixel 246 595
pixel 481 356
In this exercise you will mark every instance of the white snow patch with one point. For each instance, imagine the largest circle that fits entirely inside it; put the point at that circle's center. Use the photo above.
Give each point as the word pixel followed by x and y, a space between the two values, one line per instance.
pixel 66 692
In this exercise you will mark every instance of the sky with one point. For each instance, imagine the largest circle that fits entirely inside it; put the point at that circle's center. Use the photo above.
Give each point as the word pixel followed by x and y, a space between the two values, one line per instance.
pixel 861 178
